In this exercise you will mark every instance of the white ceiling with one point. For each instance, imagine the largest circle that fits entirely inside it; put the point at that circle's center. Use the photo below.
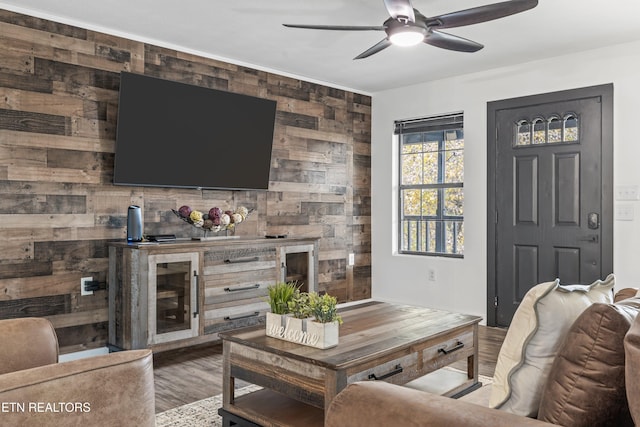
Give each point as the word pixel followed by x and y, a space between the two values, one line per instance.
pixel 249 32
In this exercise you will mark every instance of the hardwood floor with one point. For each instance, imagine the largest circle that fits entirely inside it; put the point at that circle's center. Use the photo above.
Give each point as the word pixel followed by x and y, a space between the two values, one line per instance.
pixel 489 342
pixel 194 373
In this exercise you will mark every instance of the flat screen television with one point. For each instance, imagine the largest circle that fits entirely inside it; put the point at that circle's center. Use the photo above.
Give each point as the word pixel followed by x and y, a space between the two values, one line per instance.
pixel 172 134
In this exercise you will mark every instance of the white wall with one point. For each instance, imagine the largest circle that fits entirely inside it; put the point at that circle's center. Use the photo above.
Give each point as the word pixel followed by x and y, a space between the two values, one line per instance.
pixel 461 284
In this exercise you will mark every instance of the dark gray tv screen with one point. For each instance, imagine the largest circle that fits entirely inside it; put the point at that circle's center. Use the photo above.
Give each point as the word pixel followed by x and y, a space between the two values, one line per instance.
pixel 172 134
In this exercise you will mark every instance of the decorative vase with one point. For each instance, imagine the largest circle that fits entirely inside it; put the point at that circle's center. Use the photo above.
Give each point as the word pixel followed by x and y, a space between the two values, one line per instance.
pixel 326 333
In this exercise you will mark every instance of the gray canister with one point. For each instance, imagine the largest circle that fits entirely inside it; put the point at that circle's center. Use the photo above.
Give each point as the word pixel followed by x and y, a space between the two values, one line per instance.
pixel 134 224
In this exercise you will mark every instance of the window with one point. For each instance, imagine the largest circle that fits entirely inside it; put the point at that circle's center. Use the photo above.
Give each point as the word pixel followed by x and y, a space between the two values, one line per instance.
pixel 431 185
pixel 554 130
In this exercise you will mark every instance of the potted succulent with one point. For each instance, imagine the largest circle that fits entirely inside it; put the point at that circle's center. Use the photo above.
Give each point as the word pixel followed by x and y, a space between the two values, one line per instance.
pixel 326 320
pixel 299 305
pixel 299 311
pixel 279 296
pixel 305 318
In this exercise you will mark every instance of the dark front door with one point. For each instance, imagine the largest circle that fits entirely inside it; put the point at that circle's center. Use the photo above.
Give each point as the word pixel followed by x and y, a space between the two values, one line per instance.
pixel 550 203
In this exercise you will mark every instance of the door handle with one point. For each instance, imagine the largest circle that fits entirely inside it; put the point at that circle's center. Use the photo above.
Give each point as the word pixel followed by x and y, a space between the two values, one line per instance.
pixel 593 220
pixel 592 238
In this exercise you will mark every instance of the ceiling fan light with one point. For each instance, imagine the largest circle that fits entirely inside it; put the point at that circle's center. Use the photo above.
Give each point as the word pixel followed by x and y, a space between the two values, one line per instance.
pixel 407 37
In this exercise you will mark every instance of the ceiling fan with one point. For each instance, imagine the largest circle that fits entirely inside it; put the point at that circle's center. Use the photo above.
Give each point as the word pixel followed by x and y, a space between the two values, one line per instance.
pixel 407 26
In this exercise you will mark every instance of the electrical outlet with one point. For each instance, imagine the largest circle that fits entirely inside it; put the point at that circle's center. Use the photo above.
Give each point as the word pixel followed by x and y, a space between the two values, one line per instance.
pixel 626 192
pixel 352 259
pixel 431 275
pixel 82 283
pixel 624 212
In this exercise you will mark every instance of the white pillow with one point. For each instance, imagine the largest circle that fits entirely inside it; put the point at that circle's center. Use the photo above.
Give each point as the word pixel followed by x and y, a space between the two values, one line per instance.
pixel 537 329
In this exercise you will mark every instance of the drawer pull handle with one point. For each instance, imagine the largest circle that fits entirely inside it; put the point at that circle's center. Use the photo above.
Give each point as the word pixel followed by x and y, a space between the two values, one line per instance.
pixel 458 346
pixel 242 316
pixel 240 260
pixel 396 371
pixel 246 288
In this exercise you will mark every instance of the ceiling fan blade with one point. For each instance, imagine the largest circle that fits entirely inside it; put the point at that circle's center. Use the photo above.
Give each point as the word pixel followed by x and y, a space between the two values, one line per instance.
pixel 451 42
pixel 382 44
pixel 400 8
pixel 338 27
pixel 479 14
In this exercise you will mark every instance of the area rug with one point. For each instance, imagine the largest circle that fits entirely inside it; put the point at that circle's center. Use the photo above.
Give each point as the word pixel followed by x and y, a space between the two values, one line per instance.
pixel 204 413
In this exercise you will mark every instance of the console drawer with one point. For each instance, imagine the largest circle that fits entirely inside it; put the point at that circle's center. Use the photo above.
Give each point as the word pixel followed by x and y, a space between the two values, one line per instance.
pixel 235 287
pixel 402 368
pixel 451 349
pixel 238 275
pixel 398 370
pixel 235 316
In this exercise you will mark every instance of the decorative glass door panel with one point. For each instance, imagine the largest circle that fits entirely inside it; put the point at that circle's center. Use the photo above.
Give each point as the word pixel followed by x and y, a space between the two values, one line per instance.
pixel 298 265
pixel 173 297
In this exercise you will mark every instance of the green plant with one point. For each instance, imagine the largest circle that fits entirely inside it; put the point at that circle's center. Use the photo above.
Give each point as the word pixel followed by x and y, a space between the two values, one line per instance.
pixel 324 308
pixel 279 296
pixel 299 305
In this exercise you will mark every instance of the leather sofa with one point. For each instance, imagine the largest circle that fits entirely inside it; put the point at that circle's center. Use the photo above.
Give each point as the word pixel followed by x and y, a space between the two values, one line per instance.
pixel 602 390
pixel 35 390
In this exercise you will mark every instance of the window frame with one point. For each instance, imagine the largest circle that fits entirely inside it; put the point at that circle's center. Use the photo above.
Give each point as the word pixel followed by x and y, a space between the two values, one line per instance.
pixel 451 122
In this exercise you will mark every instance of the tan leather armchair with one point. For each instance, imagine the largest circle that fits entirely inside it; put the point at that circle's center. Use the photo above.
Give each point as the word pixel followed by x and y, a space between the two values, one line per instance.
pixel 35 390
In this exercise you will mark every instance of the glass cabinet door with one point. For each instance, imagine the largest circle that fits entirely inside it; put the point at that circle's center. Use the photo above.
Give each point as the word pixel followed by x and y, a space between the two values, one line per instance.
pixel 173 297
pixel 298 265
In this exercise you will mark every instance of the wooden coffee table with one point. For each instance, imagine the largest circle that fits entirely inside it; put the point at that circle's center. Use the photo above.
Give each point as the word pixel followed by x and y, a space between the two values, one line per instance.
pixel 378 341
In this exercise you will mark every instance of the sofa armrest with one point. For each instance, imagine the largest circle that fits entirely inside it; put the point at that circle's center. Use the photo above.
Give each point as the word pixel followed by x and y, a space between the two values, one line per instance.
pixel 376 403
pixel 26 343
pixel 111 390
pixel 632 369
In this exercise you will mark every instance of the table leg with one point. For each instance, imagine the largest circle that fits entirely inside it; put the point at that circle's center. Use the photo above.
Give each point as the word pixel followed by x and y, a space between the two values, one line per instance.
pixel 228 382
pixel 472 361
pixel 334 382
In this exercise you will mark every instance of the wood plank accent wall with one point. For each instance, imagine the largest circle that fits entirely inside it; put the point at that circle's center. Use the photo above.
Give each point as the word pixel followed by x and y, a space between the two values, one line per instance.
pixel 58 107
